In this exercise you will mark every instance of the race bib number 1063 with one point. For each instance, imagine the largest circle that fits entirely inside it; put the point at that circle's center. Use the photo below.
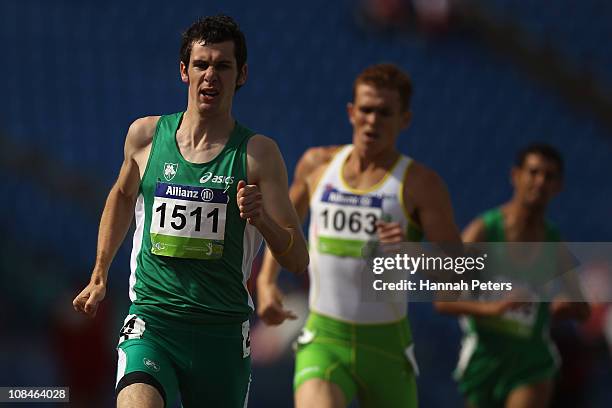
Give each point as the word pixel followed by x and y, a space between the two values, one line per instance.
pixel 346 222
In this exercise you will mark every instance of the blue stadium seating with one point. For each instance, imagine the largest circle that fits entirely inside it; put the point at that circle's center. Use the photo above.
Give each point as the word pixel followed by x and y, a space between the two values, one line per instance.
pixel 76 74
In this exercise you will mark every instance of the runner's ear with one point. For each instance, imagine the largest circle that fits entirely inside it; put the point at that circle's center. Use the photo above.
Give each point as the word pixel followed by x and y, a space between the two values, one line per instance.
pixel 184 73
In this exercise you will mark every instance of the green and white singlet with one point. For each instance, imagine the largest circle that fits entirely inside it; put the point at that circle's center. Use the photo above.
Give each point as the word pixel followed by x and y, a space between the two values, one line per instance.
pixel 499 354
pixel 342 223
pixel 365 348
pixel 188 326
pixel 192 252
pixel 528 322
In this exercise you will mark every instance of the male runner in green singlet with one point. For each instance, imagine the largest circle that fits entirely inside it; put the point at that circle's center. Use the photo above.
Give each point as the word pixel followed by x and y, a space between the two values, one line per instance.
pixel 204 189
pixel 508 358
pixel 359 193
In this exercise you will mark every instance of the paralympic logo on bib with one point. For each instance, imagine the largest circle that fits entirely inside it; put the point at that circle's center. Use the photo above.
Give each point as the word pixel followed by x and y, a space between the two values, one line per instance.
pixel 160 246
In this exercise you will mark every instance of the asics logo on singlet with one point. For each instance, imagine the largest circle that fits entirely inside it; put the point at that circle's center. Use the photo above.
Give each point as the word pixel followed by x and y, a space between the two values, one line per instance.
pixel 208 176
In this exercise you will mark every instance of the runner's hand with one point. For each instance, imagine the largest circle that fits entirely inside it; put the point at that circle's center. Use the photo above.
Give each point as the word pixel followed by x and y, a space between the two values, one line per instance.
pixel 270 305
pixel 249 202
pixel 389 232
pixel 88 300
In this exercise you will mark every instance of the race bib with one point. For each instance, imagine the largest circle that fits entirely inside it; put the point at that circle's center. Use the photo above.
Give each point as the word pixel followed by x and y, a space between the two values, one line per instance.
pixel 347 222
pixel 188 221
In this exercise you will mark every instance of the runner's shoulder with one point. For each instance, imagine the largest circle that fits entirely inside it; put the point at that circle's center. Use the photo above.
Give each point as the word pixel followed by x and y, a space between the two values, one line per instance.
pixel 475 231
pixel 420 176
pixel 315 158
pixel 141 132
pixel 260 146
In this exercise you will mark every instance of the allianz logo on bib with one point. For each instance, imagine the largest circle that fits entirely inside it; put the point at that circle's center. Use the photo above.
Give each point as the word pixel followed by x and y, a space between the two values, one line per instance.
pixel 331 195
pixel 213 178
pixel 174 191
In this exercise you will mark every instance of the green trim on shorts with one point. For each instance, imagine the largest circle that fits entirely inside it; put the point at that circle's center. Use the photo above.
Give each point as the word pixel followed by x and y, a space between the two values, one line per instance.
pixel 367 361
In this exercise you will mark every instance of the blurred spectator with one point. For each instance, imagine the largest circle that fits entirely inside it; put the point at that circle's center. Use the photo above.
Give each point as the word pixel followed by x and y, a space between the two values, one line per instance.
pixel 430 16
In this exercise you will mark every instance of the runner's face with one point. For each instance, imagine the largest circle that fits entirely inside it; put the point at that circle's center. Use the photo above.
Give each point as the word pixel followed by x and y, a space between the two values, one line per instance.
pixel 537 181
pixel 212 76
pixel 377 118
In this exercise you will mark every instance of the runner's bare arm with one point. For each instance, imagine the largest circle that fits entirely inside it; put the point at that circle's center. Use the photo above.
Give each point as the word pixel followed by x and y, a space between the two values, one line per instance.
pixel 269 297
pixel 432 205
pixel 265 203
pixel 475 232
pixel 118 212
pixel 308 166
pixel 427 195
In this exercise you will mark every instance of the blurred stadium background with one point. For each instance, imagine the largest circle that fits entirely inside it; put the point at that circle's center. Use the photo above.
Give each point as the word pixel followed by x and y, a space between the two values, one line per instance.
pixel 489 77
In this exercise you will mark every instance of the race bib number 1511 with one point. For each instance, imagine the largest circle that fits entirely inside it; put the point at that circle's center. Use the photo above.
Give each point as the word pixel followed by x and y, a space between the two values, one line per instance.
pixel 188 221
